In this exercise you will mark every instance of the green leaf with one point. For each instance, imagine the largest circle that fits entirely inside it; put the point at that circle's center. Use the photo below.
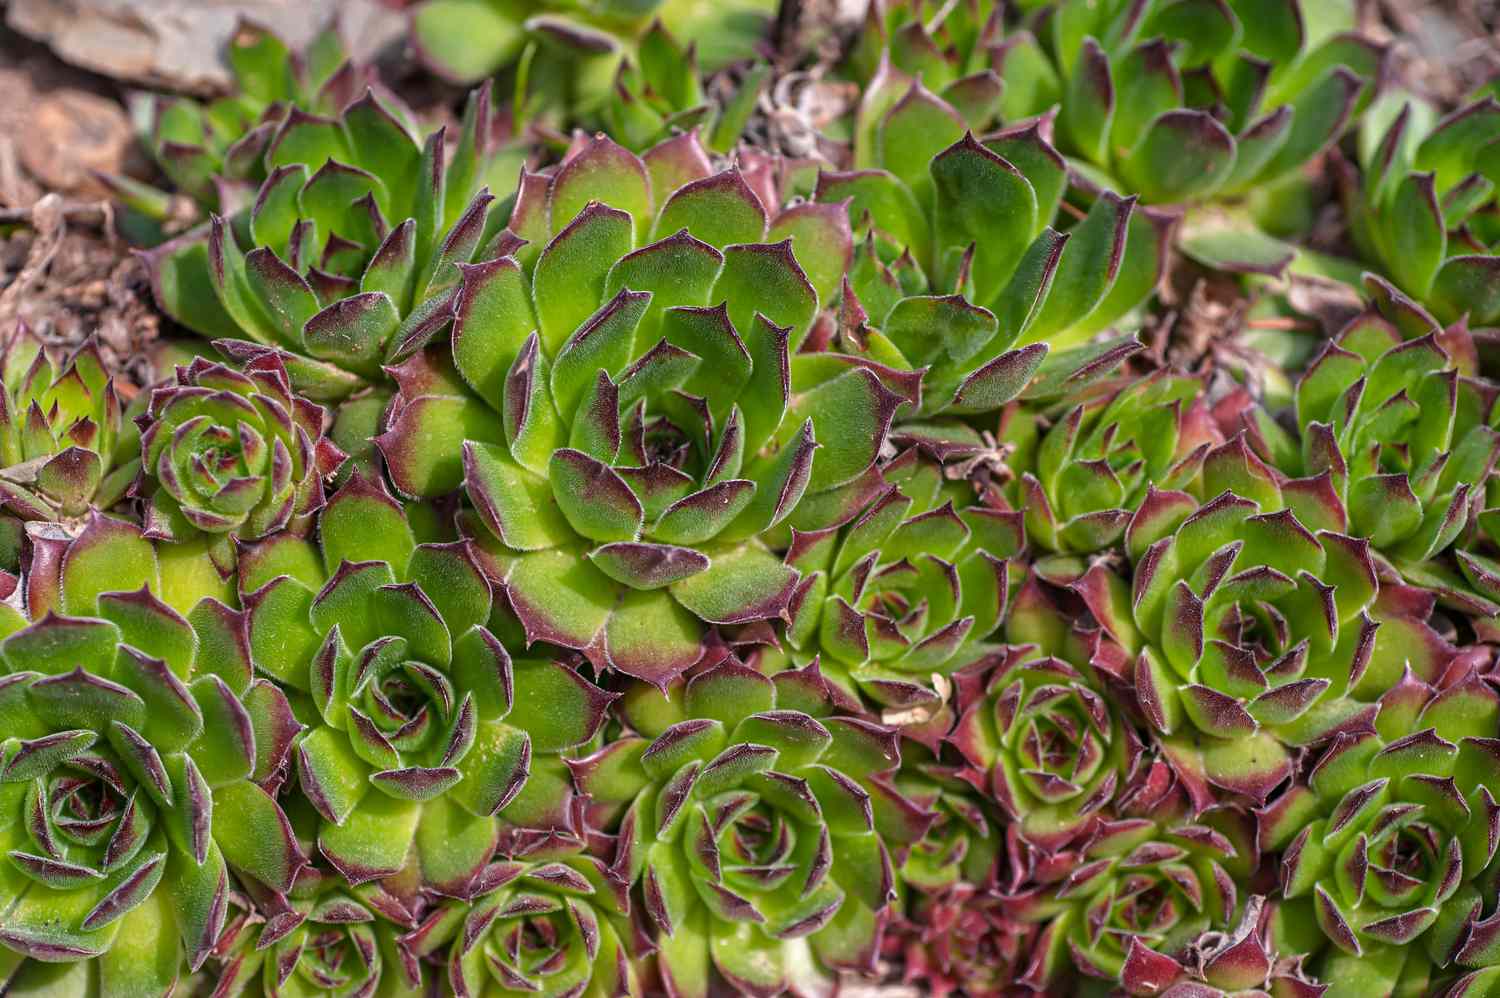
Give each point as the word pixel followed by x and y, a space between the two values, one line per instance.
pixel 1185 155
pixel 1147 84
pixel 352 332
pixel 605 172
pixel 765 279
pixel 984 201
pixel 850 416
pixel 890 205
pixel 183 286
pixel 570 273
pixel 466 40
pixel 742 584
pixel 736 112
pixel 1318 117
pixel 555 705
pixel 255 836
pixel 110 555
pixel 606 342
pixel 516 505
pixel 382 145
pixel 594 498
pixel 363 523
pixel 915 130
pixel 677 270
pixel 1089 107
pixel 821 242
pixel 1468 285
pixel 492 318
pixel 1090 262
pixel 423 449
pixel 719 210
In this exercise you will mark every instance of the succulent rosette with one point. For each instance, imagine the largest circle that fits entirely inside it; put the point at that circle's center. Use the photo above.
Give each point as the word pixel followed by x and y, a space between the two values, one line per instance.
pixel 65 444
pixel 911 588
pixel 963 941
pixel 1424 209
pixel 1250 621
pixel 762 835
pixel 627 446
pixel 549 919
pixel 213 152
pixel 660 93
pixel 962 845
pixel 954 49
pixel 561 57
pixel 1086 472
pixel 319 938
pixel 1395 437
pixel 1386 844
pixel 1043 739
pixel 1155 883
pixel 426 734
pixel 1242 963
pixel 233 454
pixel 964 266
pixel 350 248
pixel 1186 104
pixel 140 759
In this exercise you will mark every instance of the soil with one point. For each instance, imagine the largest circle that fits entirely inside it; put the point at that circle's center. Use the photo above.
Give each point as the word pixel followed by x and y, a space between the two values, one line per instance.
pixel 63 271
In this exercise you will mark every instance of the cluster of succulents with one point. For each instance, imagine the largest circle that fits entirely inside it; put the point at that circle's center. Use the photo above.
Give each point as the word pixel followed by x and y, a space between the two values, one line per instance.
pixel 614 63
pixel 213 154
pixel 620 562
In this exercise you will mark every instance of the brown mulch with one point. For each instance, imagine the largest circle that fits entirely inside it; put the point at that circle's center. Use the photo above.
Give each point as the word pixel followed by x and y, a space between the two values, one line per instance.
pixel 1442 48
pixel 67 277
pixel 63 271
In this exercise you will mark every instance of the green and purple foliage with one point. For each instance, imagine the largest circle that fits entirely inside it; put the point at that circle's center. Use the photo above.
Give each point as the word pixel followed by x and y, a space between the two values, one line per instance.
pixel 615 63
pixel 1423 209
pixel 654 582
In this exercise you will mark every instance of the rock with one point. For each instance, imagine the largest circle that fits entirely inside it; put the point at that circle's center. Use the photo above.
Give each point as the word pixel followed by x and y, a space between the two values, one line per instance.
pixel 71 133
pixel 178 44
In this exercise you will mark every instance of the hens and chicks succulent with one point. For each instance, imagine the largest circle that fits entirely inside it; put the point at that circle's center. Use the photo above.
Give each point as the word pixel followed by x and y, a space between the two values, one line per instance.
pixel 638 565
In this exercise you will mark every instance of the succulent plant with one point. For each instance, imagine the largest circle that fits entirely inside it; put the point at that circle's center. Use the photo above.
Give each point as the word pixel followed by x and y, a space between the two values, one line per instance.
pixel 627 446
pixel 954 49
pixel 566 53
pixel 1084 473
pixel 960 942
pixel 660 93
pixel 426 733
pixel 213 153
pixel 1134 882
pixel 1186 103
pixel 1249 622
pixel 548 919
pixel 1393 435
pixel 688 574
pixel 1425 210
pixel 320 938
pixel 762 835
pixel 233 454
pixel 1043 739
pixel 65 444
pixel 141 757
pixel 351 247
pixel 1243 963
pixel 909 589
pixel 1385 843
pixel 958 267
pixel 962 845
